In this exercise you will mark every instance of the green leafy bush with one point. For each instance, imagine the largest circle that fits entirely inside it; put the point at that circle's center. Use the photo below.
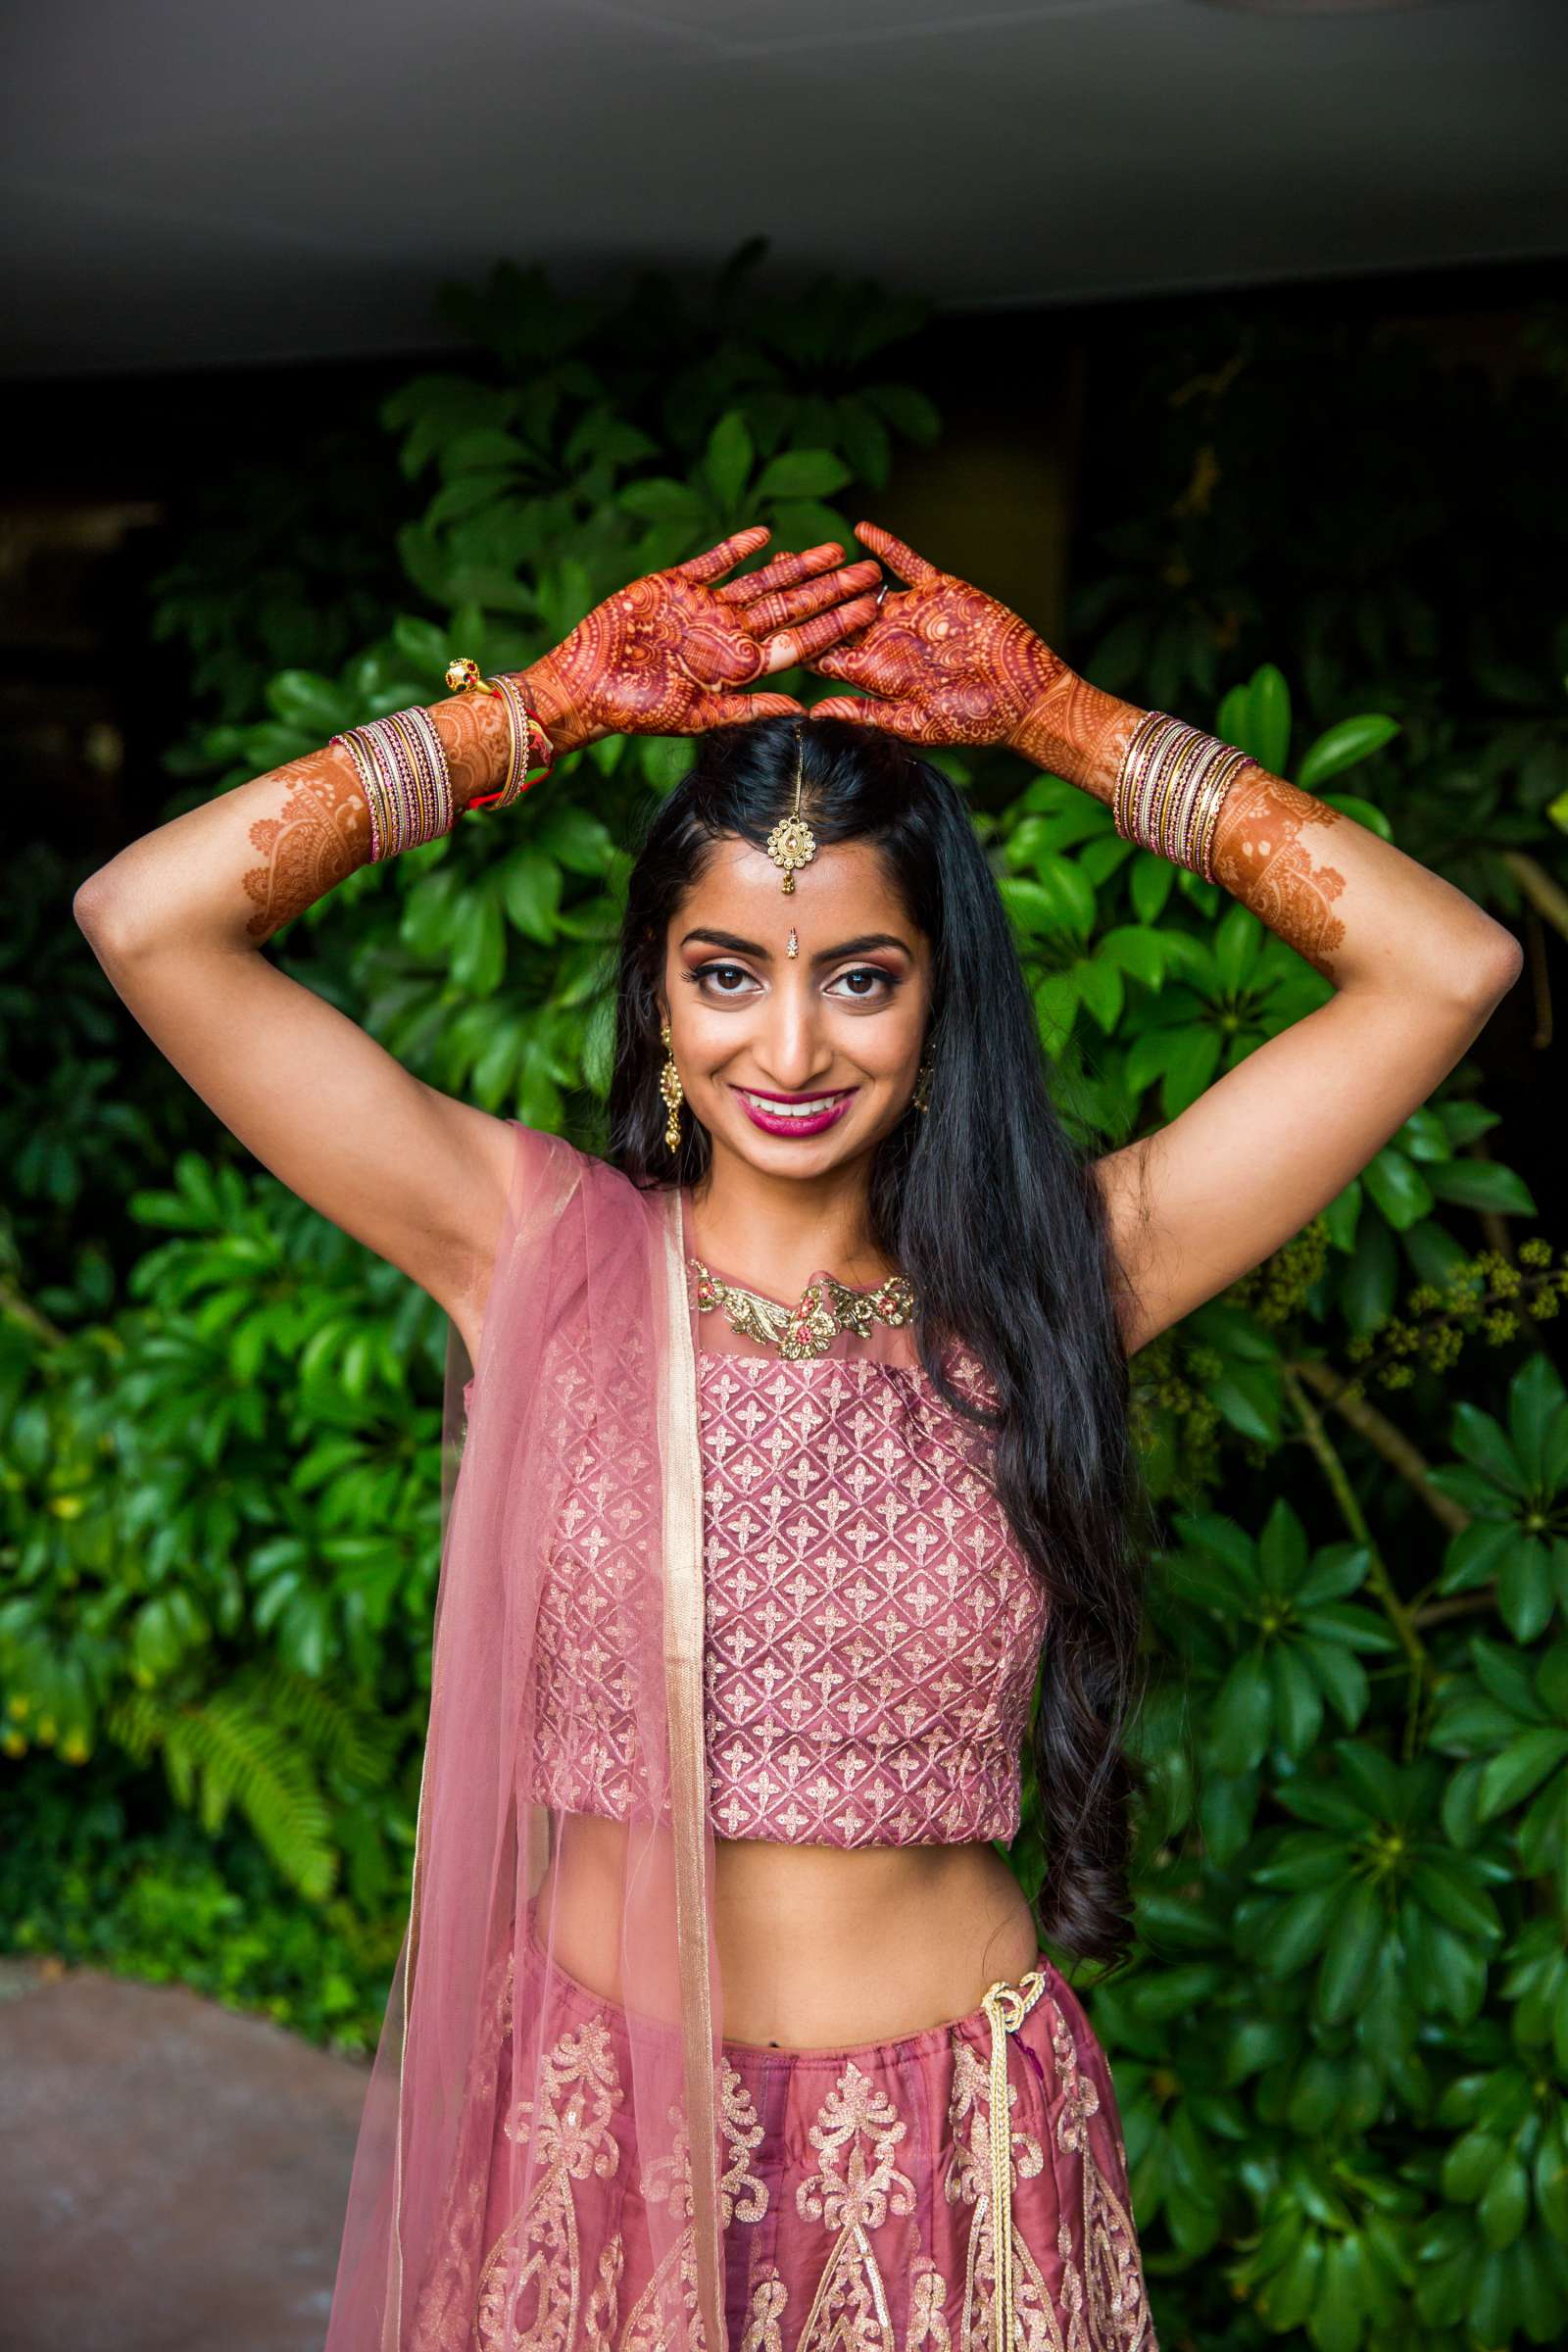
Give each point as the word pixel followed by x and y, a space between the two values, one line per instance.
pixel 1341 2046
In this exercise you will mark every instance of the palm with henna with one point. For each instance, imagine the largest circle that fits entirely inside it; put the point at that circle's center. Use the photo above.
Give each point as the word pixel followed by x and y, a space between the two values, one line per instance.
pixel 948 664
pixel 674 654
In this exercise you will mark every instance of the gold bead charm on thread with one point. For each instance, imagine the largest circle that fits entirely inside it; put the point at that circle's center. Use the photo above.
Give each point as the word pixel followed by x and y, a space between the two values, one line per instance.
pixel 463 677
pixel 792 843
pixel 921 1097
pixel 670 1090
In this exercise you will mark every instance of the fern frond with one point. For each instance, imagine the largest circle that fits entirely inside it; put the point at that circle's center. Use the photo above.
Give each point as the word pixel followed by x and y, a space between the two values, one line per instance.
pixel 342 1736
pixel 225 1751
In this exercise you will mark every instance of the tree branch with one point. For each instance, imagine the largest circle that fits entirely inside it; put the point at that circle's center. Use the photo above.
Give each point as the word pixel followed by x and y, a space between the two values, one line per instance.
pixel 1391 1443
pixel 1548 898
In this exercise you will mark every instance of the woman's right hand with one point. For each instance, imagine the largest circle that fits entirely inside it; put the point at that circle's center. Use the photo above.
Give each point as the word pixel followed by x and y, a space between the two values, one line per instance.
pixel 671 653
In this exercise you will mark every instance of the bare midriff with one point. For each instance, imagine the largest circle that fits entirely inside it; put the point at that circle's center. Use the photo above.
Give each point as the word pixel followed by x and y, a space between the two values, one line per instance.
pixel 819 1948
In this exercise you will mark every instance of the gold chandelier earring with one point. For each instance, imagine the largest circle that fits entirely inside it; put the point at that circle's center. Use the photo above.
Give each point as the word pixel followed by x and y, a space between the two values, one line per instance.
pixel 671 1091
pixel 921 1097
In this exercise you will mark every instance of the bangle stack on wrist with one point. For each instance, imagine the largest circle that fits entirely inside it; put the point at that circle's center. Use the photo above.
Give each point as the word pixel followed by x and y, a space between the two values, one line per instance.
pixel 463 677
pixel 402 769
pixel 1170 787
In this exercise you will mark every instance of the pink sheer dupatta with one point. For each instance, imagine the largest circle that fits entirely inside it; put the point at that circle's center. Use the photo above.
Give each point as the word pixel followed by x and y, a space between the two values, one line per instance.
pixel 489 2096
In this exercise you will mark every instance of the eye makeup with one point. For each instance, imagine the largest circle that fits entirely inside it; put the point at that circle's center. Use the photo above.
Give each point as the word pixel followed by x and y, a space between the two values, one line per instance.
pixel 887 984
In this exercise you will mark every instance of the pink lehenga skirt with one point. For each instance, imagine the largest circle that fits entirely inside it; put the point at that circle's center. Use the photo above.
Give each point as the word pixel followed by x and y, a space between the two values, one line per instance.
pixel 858 2193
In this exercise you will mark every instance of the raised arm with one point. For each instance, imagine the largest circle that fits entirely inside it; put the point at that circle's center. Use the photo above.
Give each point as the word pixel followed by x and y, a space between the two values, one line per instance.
pixel 1417 966
pixel 179 917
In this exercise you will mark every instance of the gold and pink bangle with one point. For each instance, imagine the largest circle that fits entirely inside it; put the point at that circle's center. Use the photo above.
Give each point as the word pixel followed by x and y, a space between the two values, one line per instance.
pixel 463 677
pixel 1170 787
pixel 402 768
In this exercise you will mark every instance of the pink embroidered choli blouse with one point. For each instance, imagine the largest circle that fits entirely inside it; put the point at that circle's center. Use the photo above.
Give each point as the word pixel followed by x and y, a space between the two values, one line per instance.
pixel 872 1628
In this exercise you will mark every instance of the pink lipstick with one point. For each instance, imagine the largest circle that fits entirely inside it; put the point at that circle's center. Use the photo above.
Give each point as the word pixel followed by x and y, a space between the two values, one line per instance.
pixel 794 1114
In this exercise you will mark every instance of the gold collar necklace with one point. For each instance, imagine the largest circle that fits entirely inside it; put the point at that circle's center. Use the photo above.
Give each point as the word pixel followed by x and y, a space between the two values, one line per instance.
pixel 825 1308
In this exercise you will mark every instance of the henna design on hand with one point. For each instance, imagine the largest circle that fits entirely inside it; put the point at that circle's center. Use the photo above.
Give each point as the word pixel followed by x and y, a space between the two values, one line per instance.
pixel 951 665
pixel 318 838
pixel 1260 856
pixel 668 654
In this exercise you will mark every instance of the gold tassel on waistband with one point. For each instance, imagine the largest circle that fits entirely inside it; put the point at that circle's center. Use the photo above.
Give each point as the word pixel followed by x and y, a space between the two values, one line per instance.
pixel 1005 2007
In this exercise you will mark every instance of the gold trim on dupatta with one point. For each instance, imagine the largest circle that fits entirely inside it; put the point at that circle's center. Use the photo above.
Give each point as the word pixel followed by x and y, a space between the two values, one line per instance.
pixel 680 1445
pixel 392 2316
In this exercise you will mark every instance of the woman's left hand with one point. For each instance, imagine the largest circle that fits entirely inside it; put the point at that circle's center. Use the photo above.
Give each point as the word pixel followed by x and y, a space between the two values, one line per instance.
pixel 669 653
pixel 948 663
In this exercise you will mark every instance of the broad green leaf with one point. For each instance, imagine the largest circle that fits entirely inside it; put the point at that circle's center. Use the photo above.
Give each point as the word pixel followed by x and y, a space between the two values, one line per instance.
pixel 801 473
pixel 1504 2203
pixel 1397 1188
pixel 1521 1766
pixel 908 412
pixel 729 460
pixel 1247 1396
pixel 1466 1123
pixel 1475 1554
pixel 423 645
pixel 1268 719
pixel 1242 1715
pixel 485 450
pixel 1424 1135
pixel 1236 944
pixel 1297 1701
pixel 1151 880
pixel 1367 1285
pixel 1335 1571
pixel 531 890
pixel 479 951
pixel 1100 990
pixel 1345 1973
pixel 1294 1936
pixel 1191 1060
pixel 1436 1254
pixel 1342 1214
pixel 1482 1441
pixel 1440 1882
pixel 1137 950
pixel 1537 1416
pixel 1281 1549
pixel 582 842
pixel 1345 745
pixel 1470 2163
pixel 1525 1588
pixel 1482 1184
pixel 660 499
pixel 1071 889
pixel 1341 1677
pixel 314 705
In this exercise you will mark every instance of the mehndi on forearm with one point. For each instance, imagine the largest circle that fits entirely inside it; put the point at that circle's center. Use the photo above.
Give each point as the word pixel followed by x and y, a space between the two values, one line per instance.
pixel 322 830
pixel 238 868
pixel 1268 844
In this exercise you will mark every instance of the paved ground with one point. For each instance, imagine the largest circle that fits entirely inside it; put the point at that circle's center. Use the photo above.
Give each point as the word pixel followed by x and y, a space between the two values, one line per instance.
pixel 173 2177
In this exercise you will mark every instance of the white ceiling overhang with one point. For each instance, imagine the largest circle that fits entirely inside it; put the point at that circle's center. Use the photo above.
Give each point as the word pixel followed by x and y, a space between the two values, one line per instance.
pixel 198 183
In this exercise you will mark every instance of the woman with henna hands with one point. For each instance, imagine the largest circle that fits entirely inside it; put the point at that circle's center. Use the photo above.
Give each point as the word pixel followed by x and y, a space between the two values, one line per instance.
pixel 793 1457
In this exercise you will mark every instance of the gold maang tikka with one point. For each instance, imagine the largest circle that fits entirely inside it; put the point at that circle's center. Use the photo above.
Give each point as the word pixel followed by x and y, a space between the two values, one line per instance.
pixel 792 843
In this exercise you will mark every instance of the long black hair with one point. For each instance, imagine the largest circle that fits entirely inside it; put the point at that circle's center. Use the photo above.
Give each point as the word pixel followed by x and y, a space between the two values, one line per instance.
pixel 985 1206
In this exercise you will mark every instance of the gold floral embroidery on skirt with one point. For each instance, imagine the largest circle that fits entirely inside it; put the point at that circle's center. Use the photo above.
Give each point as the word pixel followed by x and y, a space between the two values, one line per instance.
pixel 531 2284
pixel 666 2312
pixel 553 2280
pixel 855 2189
